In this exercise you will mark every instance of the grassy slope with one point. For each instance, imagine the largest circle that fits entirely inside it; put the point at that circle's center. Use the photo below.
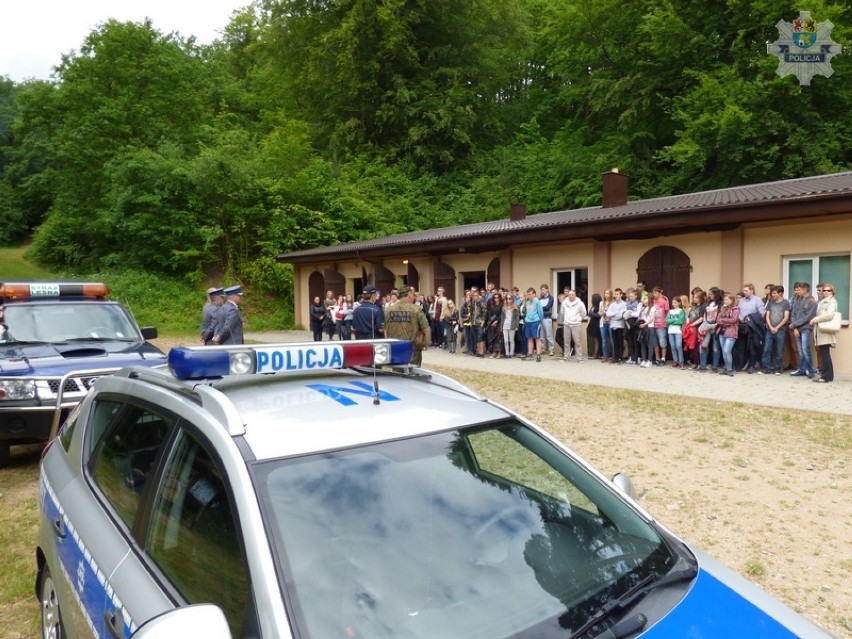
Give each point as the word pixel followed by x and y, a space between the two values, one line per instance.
pixel 13 266
pixel 171 304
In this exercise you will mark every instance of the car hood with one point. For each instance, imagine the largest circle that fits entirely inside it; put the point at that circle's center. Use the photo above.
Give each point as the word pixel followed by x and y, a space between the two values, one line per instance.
pixel 722 604
pixel 64 357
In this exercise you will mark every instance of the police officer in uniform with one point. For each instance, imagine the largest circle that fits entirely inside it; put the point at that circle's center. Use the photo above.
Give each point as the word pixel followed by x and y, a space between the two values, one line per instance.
pixel 230 326
pixel 210 314
pixel 368 320
pixel 5 336
pixel 406 320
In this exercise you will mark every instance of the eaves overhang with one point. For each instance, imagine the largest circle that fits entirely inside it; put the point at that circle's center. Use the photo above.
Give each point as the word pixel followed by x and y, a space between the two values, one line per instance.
pixel 718 210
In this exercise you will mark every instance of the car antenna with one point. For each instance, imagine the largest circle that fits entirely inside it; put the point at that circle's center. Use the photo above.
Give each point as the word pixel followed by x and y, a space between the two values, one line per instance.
pixel 376 400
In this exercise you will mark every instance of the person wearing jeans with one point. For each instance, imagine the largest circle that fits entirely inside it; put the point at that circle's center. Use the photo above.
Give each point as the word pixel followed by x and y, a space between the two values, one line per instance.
pixel 777 317
pixel 727 323
pixel 675 319
pixel 606 331
pixel 661 309
pixel 802 310
pixel 509 321
pixel 615 315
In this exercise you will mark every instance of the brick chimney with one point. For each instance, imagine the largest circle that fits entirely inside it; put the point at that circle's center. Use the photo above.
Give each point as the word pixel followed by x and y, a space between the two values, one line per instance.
pixel 517 212
pixel 614 189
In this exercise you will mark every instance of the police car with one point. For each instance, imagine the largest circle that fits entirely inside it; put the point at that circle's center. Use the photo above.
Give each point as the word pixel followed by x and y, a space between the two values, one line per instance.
pixel 328 490
pixel 55 338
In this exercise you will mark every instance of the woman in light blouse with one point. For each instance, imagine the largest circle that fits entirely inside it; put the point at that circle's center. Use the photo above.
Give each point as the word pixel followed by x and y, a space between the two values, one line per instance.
pixel 825 341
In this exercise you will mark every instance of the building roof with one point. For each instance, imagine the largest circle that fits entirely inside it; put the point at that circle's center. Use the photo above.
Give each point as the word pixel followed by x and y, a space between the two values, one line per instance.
pixel 720 209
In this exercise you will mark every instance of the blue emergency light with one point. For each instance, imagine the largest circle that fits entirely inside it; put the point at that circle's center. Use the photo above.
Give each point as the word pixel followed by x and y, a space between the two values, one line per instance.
pixel 203 362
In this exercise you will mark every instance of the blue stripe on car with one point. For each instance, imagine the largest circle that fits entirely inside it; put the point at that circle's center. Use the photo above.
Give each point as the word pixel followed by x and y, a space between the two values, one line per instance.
pixel 88 583
pixel 712 610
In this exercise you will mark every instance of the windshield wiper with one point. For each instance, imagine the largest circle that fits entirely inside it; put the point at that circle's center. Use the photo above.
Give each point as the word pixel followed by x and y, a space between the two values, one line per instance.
pixel 24 342
pixel 90 339
pixel 640 589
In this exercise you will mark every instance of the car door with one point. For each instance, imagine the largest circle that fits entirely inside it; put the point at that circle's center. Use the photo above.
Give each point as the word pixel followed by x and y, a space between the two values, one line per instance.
pixel 73 539
pixel 126 452
pixel 190 541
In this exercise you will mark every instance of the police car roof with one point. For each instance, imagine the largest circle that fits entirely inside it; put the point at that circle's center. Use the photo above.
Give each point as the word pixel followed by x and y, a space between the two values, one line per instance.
pixel 296 415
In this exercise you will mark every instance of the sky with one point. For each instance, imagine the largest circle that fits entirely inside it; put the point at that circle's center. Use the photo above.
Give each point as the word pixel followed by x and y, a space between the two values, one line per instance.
pixel 35 33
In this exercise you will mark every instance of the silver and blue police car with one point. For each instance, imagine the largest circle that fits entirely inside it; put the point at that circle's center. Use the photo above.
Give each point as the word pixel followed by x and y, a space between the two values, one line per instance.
pixel 55 339
pixel 329 490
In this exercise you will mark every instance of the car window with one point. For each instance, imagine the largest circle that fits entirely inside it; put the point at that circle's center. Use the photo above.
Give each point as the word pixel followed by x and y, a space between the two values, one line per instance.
pixel 123 462
pixel 490 531
pixel 504 458
pixel 103 414
pixel 69 320
pixel 194 538
pixel 66 431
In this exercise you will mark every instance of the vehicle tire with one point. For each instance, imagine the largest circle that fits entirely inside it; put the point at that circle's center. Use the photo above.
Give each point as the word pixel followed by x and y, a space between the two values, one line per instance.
pixel 51 619
pixel 5 452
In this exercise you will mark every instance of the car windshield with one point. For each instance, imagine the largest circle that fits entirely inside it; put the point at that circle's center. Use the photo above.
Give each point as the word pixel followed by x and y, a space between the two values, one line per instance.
pixel 486 532
pixel 64 321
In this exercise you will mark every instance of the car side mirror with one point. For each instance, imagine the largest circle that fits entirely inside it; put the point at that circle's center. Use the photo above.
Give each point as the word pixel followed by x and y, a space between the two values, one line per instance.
pixel 623 483
pixel 201 620
pixel 149 332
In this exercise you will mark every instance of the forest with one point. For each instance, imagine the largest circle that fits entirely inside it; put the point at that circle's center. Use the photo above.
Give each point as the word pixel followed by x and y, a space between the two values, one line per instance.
pixel 316 122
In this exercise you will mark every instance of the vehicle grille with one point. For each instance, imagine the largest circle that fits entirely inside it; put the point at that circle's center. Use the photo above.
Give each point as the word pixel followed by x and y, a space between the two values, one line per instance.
pixel 74 387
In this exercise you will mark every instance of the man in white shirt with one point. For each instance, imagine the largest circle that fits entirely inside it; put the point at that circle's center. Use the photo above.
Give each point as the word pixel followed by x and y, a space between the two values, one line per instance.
pixel 573 314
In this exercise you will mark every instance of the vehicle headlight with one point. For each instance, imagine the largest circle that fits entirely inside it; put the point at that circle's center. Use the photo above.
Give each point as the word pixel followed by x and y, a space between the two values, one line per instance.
pixel 17 389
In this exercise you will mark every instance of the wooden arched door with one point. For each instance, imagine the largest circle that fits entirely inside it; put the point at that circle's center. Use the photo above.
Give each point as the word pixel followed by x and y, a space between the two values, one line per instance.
pixel 316 286
pixel 335 282
pixel 413 276
pixel 445 275
pixel 385 280
pixel 667 267
pixel 492 274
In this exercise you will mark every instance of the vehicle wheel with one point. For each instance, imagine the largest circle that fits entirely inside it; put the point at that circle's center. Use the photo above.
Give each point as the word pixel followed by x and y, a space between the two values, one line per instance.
pixel 5 452
pixel 51 619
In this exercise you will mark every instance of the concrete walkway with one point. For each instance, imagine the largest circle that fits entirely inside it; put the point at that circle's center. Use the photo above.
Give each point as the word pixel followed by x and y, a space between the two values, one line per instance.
pixel 764 390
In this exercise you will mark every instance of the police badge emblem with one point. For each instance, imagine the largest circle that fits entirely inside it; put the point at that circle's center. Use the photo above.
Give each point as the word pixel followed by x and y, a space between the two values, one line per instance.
pixel 804 48
pixel 804 33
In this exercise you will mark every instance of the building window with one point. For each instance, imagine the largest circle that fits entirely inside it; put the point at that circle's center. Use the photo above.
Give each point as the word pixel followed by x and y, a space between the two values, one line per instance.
pixel 576 278
pixel 814 269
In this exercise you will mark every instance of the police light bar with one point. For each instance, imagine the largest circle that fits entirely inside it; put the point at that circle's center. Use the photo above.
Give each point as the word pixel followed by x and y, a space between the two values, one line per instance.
pixel 48 289
pixel 203 362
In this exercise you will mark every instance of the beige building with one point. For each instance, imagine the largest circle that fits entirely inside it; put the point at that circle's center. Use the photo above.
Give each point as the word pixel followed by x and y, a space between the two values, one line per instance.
pixel 776 232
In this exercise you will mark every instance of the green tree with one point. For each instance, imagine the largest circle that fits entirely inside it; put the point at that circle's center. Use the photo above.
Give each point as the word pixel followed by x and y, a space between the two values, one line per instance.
pixel 28 158
pixel 130 88
pixel 741 123
pixel 416 79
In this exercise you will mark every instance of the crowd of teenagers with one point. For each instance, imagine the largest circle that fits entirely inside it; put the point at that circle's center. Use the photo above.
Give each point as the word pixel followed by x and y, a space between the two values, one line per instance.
pixel 705 331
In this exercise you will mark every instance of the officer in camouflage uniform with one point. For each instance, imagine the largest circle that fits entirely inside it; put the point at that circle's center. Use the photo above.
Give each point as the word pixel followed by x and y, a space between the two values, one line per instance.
pixel 406 320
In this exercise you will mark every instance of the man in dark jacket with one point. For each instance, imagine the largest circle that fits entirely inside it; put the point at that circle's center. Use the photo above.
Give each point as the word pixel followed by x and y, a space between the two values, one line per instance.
pixel 368 320
pixel 752 326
